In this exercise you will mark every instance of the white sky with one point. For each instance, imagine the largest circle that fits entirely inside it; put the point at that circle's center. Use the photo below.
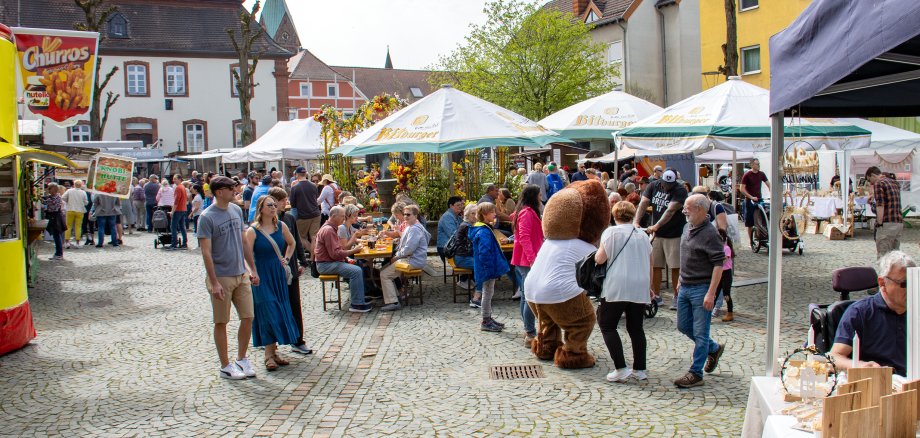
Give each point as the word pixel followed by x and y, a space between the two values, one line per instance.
pixel 357 32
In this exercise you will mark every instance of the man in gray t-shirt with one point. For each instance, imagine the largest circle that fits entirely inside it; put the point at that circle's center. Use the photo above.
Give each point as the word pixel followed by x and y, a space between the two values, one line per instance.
pixel 220 237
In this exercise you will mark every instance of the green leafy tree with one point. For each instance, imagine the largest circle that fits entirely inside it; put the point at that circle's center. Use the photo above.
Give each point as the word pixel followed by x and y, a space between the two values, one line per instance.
pixel 533 61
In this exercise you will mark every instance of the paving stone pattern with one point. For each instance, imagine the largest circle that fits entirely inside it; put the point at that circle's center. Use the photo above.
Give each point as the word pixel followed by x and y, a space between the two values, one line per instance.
pixel 124 349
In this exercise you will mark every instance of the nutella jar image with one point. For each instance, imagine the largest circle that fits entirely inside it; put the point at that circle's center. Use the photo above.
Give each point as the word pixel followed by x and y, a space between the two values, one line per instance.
pixel 37 95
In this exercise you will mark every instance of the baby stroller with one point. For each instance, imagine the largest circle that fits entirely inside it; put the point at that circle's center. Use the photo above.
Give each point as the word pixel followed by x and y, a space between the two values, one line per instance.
pixel 790 241
pixel 160 220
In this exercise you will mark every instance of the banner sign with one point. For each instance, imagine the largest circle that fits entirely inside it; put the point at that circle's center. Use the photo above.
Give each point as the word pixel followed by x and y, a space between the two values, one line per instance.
pixel 80 172
pixel 58 71
pixel 110 175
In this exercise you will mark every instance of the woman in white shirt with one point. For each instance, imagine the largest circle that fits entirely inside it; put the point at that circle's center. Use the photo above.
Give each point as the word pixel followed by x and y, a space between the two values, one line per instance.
pixel 628 254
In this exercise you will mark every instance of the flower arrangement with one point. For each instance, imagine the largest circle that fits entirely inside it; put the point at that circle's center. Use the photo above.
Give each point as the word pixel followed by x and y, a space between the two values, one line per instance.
pixel 405 176
pixel 457 168
pixel 373 204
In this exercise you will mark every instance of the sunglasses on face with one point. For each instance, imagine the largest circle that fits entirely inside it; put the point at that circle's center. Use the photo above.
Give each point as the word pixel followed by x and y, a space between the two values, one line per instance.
pixel 407 214
pixel 901 283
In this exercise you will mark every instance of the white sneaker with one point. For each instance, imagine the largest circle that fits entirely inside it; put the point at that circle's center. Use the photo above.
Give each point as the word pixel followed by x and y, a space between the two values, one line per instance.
pixel 232 372
pixel 517 294
pixel 246 367
pixel 641 375
pixel 464 284
pixel 619 375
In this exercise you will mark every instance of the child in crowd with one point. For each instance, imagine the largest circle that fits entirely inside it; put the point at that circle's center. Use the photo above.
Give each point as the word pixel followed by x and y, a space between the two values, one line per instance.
pixel 725 286
pixel 489 263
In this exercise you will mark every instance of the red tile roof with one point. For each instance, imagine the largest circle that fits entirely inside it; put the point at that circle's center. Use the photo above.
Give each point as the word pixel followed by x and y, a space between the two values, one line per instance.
pixel 375 81
pixel 611 10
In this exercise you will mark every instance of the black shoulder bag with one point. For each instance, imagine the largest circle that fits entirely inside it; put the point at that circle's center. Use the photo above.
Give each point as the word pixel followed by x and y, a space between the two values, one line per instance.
pixel 590 276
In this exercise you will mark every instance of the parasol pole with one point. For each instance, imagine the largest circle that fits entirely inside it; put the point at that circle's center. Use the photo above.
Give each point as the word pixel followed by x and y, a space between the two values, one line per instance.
pixel 731 178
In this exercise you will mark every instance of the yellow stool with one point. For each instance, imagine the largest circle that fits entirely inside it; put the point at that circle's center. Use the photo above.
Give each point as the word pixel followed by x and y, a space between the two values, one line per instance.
pixel 336 283
pixel 411 275
pixel 455 275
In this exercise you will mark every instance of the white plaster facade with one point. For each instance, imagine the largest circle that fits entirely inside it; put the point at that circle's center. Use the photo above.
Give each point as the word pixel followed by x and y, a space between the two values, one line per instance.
pixel 209 100
pixel 641 70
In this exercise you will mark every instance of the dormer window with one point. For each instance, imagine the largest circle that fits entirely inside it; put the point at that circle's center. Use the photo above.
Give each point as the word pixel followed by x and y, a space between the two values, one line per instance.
pixel 416 92
pixel 592 17
pixel 118 26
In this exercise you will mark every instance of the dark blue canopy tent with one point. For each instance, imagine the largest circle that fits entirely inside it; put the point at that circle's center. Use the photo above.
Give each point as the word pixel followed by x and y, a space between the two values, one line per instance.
pixel 839 58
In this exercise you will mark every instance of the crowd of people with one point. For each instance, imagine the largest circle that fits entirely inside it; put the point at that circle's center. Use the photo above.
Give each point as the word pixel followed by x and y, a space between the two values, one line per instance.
pixel 259 233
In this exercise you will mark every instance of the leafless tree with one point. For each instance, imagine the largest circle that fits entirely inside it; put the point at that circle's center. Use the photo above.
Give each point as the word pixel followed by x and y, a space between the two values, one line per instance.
pixel 96 17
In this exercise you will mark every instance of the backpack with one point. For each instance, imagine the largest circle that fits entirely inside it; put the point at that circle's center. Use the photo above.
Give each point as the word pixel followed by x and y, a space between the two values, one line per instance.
pixel 731 219
pixel 456 243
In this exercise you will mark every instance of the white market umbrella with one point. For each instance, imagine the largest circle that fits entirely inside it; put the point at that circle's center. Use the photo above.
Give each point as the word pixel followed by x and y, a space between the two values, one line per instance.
pixel 599 117
pixel 449 120
pixel 299 139
pixel 733 116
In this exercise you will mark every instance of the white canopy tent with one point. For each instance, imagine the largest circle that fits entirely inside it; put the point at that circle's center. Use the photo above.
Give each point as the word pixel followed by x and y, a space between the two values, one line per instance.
pixel 733 116
pixel 449 120
pixel 299 139
pixel 892 150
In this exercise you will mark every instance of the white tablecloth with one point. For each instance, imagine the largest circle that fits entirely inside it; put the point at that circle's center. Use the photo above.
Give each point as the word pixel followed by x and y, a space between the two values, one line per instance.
pixel 761 418
pixel 825 207
pixel 781 426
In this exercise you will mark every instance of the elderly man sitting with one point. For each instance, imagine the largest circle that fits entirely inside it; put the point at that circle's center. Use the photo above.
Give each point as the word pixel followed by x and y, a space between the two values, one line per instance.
pixel 413 248
pixel 331 258
pixel 880 320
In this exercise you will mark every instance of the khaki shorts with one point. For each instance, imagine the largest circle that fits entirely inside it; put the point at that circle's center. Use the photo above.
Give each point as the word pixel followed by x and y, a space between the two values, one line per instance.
pixel 237 290
pixel 666 252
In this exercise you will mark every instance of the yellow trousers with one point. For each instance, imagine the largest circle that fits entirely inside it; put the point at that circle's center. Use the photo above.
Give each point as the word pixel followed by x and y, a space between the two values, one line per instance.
pixel 75 224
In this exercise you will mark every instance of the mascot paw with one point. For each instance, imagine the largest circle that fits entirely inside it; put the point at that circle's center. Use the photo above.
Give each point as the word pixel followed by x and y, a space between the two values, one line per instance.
pixel 544 350
pixel 569 360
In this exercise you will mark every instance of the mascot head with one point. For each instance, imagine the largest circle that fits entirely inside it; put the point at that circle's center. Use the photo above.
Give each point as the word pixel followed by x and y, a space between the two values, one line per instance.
pixel 579 211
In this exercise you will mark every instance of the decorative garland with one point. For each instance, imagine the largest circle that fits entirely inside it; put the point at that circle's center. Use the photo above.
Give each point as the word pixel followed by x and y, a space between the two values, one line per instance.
pixel 813 351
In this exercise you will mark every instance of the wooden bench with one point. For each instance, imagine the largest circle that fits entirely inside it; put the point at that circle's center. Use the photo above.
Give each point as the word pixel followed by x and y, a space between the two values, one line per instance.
pixel 411 275
pixel 455 275
pixel 336 283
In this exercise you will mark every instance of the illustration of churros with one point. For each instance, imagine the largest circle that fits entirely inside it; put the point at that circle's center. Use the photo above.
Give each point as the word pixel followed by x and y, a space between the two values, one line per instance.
pixel 65 87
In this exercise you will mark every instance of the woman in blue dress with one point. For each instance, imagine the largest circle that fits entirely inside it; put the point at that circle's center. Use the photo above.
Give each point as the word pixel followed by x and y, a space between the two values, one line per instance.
pixel 273 323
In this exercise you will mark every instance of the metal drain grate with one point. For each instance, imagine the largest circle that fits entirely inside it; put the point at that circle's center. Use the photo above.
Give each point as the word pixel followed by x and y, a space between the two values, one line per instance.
pixel 512 372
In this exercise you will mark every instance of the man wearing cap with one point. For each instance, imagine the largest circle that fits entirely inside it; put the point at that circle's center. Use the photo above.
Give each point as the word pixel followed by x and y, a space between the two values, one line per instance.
pixel 327 197
pixel 666 196
pixel 229 275
pixel 260 191
pixel 750 188
pixel 303 199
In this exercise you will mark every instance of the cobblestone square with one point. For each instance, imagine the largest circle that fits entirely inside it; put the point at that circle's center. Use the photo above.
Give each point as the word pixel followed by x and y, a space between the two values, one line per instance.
pixel 124 349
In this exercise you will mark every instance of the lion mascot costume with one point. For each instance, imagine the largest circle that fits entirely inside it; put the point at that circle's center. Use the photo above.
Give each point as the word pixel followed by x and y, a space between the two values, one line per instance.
pixel 573 221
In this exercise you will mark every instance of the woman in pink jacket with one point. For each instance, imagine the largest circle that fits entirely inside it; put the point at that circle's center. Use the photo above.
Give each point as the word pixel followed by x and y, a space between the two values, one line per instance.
pixel 528 238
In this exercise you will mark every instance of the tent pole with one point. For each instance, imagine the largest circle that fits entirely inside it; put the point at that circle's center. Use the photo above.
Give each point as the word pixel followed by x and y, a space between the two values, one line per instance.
pixel 775 266
pixel 616 162
pixel 731 178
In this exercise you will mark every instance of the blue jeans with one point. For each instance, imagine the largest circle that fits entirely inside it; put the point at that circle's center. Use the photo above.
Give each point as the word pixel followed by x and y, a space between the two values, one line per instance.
pixel 106 224
pixel 150 209
pixel 179 224
pixel 59 243
pixel 352 273
pixel 466 262
pixel 526 314
pixel 693 320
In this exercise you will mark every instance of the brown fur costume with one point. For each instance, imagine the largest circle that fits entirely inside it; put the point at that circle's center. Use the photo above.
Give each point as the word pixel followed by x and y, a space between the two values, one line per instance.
pixel 579 211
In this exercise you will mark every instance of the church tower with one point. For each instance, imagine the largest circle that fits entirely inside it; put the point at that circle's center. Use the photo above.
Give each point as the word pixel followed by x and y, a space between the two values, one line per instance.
pixel 278 23
pixel 389 62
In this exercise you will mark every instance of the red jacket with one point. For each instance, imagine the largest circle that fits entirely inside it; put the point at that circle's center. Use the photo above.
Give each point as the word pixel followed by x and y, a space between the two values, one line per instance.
pixel 528 238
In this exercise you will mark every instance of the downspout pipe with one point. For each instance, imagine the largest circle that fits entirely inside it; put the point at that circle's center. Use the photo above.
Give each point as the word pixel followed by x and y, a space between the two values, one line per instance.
pixel 664 56
pixel 625 55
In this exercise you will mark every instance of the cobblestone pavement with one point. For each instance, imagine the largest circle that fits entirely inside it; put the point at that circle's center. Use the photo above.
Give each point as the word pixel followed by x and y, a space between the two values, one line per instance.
pixel 124 348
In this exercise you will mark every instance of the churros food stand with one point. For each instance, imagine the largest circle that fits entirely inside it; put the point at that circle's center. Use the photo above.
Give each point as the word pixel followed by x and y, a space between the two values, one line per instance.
pixel 16 327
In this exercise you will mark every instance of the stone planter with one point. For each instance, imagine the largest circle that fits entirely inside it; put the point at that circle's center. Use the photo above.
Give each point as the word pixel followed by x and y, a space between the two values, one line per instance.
pixel 385 189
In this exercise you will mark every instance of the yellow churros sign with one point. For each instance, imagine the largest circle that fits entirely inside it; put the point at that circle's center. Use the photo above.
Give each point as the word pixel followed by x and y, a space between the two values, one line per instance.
pixel 58 69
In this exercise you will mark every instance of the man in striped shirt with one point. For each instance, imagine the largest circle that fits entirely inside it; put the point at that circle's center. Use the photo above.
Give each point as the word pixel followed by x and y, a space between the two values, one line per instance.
pixel 888 219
